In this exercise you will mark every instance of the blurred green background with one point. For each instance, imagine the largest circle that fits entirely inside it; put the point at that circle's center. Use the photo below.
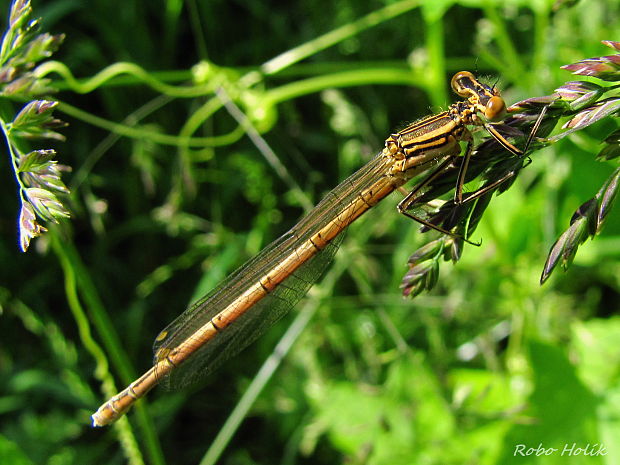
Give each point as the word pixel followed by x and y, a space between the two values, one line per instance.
pixel 487 361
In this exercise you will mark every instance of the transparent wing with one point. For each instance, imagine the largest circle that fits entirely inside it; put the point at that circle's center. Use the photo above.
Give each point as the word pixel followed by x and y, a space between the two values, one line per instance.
pixel 252 324
pixel 255 321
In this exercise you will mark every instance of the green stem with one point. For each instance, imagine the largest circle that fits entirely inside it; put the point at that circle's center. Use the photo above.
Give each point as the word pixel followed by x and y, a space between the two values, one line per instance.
pixel 77 276
pixel 541 33
pixel 153 136
pixel 139 74
pixel 344 79
pixel 437 64
pixel 126 436
pixel 14 157
pixel 286 59
pixel 513 65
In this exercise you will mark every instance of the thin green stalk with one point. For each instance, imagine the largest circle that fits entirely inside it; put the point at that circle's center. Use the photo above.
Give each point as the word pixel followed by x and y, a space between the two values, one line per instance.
pixel 172 15
pixel 514 67
pixel 435 83
pixel 192 124
pixel 13 157
pixel 197 28
pixel 154 136
pixel 263 147
pixel 391 76
pixel 119 69
pixel 79 277
pixel 492 60
pixel 126 436
pixel 304 70
pixel 5 131
pixel 198 118
pixel 286 59
pixel 134 118
pixel 541 34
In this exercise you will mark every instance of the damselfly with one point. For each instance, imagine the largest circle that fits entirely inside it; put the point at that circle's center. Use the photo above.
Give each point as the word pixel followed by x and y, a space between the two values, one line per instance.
pixel 254 297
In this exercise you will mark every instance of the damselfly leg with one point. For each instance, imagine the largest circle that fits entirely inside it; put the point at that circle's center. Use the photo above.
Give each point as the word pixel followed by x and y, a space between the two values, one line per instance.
pixel 415 196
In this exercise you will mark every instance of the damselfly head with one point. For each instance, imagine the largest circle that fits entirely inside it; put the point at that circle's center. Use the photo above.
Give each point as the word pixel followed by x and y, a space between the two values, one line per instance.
pixel 485 99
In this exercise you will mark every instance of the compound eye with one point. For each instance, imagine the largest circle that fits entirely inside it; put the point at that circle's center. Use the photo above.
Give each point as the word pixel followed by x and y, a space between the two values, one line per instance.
pixel 495 108
pixel 460 83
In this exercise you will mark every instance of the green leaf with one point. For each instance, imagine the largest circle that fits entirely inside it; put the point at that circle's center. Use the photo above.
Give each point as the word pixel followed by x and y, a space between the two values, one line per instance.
pixel 483 392
pixel 597 355
pixel 598 352
pixel 560 411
